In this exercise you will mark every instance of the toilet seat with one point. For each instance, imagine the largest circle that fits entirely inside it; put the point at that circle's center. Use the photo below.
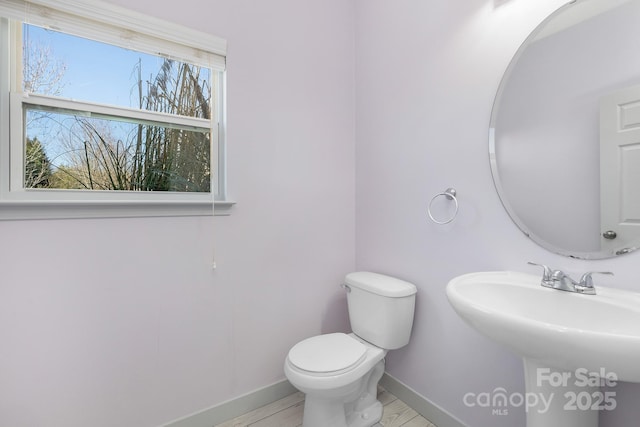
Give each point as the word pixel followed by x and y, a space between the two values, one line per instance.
pixel 354 365
pixel 328 354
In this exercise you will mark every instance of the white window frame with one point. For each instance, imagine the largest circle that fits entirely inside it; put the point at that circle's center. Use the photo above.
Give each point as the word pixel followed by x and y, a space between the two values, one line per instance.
pixel 121 27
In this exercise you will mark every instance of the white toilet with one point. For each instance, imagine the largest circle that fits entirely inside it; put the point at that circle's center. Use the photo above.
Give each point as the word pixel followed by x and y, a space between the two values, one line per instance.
pixel 339 373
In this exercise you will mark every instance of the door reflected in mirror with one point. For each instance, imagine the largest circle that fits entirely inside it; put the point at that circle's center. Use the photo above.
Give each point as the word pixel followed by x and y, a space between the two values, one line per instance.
pixel 565 131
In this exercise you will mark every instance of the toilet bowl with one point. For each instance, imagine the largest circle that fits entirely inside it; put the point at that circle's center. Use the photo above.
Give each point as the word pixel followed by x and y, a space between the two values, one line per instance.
pixel 339 372
pixel 335 370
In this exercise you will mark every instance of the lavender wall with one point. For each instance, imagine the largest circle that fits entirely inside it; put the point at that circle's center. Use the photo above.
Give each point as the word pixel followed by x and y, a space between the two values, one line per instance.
pixel 426 76
pixel 122 322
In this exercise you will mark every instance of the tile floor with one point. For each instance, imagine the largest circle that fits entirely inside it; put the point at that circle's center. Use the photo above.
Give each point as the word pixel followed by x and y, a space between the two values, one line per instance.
pixel 287 412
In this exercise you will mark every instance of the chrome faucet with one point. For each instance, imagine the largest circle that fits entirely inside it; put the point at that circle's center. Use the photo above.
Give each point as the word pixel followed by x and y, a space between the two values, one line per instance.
pixel 557 279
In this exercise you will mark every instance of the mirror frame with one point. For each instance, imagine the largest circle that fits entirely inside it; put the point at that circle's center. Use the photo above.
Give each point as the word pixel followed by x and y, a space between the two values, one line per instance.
pixel 492 150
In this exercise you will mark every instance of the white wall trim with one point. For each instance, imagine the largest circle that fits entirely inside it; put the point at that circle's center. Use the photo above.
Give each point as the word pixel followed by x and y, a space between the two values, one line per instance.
pixel 134 29
pixel 24 209
pixel 235 407
pixel 241 405
pixel 419 403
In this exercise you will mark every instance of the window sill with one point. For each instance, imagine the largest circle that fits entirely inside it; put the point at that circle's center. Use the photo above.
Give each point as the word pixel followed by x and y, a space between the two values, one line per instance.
pixel 27 210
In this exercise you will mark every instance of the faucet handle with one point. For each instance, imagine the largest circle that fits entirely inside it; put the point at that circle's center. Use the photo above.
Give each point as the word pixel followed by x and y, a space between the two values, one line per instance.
pixel 547 274
pixel 587 281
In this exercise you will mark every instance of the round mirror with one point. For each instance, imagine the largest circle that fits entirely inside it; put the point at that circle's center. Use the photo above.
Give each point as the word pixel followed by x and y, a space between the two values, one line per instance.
pixel 564 137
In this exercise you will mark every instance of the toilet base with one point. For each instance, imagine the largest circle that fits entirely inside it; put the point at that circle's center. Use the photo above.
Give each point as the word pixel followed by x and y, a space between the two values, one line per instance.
pixel 339 411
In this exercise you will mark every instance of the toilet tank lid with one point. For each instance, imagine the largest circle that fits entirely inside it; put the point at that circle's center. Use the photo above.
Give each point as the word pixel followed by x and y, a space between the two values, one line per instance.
pixel 380 284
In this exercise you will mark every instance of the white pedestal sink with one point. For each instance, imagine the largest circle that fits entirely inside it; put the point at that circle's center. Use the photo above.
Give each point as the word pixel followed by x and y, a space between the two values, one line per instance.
pixel 571 343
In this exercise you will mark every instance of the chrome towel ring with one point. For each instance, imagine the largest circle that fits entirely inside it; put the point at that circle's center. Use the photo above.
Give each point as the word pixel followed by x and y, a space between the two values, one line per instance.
pixel 449 194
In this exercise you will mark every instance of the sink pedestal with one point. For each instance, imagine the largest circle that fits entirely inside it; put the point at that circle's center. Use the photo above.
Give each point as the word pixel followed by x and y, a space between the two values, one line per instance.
pixel 549 328
pixel 558 397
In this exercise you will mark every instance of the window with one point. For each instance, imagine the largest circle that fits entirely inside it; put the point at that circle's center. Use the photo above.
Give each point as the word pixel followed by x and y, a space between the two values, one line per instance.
pixel 107 112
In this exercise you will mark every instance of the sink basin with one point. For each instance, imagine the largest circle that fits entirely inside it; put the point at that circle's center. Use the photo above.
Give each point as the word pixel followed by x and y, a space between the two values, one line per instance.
pixel 562 329
pixel 552 329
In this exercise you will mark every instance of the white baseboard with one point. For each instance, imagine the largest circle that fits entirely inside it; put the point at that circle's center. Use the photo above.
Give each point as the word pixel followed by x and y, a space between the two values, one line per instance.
pixel 241 405
pixel 419 403
pixel 235 407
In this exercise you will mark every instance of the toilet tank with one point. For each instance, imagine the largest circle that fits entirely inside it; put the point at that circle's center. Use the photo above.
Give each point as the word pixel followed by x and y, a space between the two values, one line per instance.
pixel 380 308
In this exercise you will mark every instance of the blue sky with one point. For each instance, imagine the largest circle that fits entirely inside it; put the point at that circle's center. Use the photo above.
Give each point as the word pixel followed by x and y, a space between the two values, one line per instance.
pixel 96 71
